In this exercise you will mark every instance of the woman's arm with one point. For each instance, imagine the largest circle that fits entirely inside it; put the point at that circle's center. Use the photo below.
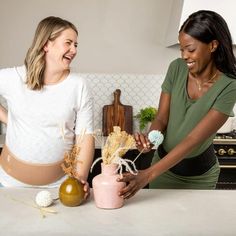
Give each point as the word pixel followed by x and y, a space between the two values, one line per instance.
pixel 3 114
pixel 204 129
pixel 86 156
pixel 161 120
pixel 85 160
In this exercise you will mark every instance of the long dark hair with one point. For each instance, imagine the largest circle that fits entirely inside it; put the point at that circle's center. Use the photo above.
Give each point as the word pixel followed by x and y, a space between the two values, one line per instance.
pixel 206 26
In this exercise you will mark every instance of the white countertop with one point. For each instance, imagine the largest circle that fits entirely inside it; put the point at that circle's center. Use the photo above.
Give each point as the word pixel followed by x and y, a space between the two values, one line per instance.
pixel 149 212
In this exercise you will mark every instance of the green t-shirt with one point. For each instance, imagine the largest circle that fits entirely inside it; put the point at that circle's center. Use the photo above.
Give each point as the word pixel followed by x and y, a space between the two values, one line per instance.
pixel 186 113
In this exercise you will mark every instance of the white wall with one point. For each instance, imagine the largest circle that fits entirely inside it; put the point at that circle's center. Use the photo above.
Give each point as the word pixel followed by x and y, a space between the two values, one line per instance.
pixel 115 36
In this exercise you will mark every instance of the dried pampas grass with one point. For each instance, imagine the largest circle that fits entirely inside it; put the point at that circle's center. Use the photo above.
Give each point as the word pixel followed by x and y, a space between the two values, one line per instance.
pixel 117 144
pixel 71 158
pixel 71 161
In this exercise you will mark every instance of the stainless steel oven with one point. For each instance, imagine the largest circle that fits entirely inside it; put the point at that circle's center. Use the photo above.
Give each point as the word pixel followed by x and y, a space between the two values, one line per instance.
pixel 225 149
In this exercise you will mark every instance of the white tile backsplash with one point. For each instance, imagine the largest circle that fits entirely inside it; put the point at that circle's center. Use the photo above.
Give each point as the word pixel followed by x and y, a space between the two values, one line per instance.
pixel 137 90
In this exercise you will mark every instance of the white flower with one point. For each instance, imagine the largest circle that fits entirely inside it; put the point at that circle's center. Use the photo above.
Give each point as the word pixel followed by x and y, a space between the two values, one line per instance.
pixel 43 198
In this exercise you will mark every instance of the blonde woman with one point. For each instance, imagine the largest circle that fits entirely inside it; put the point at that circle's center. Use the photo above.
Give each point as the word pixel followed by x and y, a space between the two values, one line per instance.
pixel 48 107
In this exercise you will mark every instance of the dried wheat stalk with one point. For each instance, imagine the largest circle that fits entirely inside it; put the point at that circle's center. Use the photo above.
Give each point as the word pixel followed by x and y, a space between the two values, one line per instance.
pixel 117 144
pixel 71 160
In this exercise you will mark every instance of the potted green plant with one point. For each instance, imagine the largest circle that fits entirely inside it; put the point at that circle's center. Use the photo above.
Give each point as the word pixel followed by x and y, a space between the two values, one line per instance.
pixel 146 116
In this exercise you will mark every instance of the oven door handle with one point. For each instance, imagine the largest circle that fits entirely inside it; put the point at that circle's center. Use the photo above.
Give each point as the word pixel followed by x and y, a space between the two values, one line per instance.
pixel 228 166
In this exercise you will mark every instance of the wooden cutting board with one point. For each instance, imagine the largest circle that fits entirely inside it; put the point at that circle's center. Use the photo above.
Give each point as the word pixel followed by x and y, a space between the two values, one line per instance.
pixel 117 114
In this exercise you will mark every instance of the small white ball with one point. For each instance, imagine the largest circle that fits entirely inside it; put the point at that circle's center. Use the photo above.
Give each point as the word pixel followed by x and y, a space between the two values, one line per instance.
pixel 43 198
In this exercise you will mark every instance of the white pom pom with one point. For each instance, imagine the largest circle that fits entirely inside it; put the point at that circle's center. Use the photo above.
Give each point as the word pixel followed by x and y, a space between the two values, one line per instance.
pixel 43 198
pixel 156 137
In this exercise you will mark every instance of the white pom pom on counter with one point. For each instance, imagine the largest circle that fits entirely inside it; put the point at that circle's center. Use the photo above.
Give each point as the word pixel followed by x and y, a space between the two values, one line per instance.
pixel 43 198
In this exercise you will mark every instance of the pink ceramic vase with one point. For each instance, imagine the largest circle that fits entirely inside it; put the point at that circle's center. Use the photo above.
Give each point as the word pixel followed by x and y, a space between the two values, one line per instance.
pixel 106 188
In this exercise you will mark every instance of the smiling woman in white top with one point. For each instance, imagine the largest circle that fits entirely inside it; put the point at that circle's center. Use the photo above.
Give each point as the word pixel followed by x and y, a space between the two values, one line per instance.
pixel 48 107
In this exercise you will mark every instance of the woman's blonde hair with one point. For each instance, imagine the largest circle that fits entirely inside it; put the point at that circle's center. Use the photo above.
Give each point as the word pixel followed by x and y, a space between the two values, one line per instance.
pixel 48 29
